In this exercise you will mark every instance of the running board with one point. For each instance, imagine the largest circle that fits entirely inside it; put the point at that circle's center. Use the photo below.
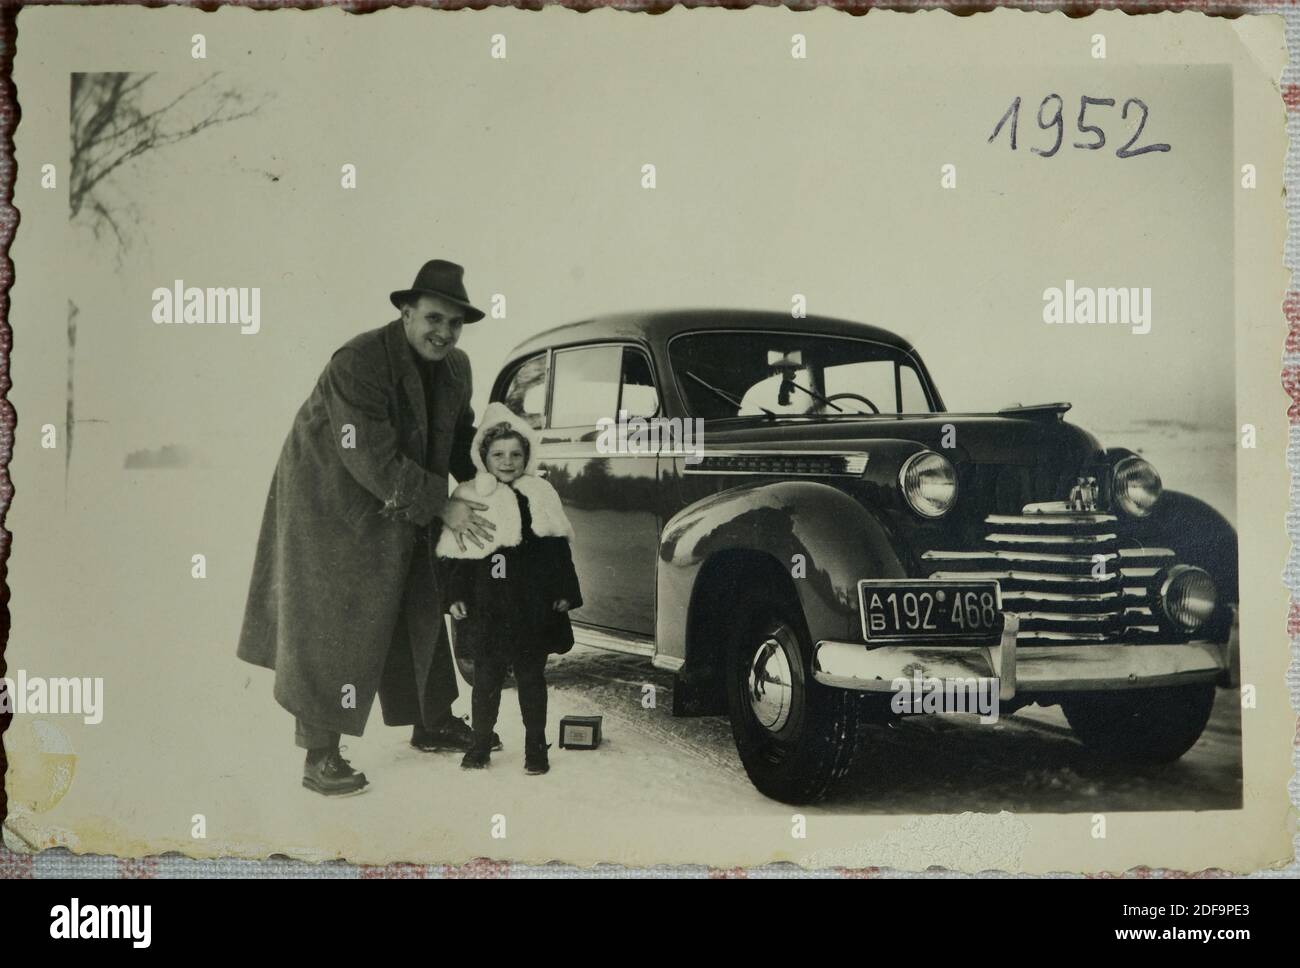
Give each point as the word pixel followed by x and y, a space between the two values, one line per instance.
pixel 628 643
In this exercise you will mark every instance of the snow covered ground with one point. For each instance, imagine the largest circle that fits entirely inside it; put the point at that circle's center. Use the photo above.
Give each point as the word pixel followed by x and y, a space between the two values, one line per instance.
pixel 1028 762
pixel 189 730
pixel 242 775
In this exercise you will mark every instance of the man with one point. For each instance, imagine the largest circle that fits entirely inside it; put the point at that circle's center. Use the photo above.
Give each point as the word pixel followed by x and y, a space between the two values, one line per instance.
pixel 344 602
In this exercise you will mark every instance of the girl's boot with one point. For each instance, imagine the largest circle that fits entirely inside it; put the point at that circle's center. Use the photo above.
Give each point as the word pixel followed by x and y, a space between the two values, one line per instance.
pixel 535 759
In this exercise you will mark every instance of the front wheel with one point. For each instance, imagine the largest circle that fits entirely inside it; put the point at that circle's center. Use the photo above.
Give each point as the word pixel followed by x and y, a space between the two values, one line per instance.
pixel 795 736
pixel 1141 726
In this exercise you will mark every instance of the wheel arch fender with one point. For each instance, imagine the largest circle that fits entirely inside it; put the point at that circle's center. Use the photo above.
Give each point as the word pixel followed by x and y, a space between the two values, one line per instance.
pixel 1201 536
pixel 817 538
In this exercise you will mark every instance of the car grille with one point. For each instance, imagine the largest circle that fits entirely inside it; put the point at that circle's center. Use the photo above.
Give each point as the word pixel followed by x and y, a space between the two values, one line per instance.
pixel 1070 576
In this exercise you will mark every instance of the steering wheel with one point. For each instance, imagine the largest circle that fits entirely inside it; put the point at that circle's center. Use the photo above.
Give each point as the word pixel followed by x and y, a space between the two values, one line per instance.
pixel 853 396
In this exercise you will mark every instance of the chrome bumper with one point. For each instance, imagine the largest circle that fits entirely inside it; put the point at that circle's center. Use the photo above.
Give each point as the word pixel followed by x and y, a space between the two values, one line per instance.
pixel 1023 671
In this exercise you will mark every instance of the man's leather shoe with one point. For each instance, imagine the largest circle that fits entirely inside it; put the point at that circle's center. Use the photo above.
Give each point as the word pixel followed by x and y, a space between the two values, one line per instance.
pixel 453 736
pixel 331 775
pixel 476 759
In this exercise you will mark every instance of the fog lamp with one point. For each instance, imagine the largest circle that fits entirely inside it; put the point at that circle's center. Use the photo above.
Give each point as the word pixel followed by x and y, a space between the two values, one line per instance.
pixel 1188 597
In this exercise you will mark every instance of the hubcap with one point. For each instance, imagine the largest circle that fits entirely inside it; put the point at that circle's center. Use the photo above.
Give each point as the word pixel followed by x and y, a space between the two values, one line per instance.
pixel 771 686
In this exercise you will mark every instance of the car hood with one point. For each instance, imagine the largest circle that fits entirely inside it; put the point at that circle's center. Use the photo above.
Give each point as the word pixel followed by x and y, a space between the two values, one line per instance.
pixel 1008 438
pixel 1003 460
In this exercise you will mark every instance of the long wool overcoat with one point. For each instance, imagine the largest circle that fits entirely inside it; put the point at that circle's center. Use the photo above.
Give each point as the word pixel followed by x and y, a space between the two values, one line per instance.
pixel 353 490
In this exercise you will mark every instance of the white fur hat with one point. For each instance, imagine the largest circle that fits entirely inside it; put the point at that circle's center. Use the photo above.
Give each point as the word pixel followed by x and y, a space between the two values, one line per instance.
pixel 547 510
pixel 495 415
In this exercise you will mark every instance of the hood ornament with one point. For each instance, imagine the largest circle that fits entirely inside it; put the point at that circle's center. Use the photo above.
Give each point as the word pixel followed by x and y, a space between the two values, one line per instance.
pixel 1083 496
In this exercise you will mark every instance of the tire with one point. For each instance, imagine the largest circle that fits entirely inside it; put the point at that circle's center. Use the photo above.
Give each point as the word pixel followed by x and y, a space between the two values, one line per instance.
pixel 1141 726
pixel 795 737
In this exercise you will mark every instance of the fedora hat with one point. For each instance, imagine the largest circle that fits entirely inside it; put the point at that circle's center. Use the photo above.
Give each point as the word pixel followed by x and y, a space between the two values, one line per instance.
pixel 443 279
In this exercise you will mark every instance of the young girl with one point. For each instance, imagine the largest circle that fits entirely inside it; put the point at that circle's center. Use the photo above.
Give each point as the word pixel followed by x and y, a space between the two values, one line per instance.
pixel 512 597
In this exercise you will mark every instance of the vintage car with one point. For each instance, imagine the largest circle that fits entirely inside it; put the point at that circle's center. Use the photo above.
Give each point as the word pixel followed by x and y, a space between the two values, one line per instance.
pixel 840 530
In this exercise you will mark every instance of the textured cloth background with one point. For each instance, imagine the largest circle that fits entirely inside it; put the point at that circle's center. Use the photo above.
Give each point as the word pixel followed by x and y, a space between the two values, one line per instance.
pixel 62 863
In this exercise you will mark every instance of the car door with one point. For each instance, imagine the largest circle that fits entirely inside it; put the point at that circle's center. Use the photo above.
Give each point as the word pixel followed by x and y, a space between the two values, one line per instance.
pixel 609 492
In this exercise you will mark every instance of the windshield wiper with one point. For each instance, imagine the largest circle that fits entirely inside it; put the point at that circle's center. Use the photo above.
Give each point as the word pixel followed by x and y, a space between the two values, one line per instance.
pixel 723 394
pixel 817 396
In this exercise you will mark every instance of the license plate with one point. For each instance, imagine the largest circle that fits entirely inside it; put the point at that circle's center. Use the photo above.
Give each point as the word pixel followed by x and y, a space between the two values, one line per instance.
pixel 907 610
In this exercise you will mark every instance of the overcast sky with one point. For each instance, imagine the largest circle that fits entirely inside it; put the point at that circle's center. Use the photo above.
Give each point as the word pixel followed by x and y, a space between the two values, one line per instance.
pixel 775 177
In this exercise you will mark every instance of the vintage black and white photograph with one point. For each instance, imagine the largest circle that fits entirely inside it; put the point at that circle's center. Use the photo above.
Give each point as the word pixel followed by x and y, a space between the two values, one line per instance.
pixel 496 436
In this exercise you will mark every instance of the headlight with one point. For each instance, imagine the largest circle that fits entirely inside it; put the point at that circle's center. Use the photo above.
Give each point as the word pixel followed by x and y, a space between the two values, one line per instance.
pixel 929 483
pixel 1136 486
pixel 1188 597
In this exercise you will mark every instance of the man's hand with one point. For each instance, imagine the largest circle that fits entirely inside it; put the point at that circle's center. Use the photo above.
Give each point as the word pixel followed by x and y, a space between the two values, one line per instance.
pixel 458 610
pixel 462 517
pixel 562 605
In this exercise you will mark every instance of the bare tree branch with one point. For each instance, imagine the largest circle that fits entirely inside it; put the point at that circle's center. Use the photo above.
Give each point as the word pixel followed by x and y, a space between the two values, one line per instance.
pixel 113 123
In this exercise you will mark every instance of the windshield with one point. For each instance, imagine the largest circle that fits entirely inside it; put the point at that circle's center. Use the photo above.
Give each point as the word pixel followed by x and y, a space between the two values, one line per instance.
pixel 740 374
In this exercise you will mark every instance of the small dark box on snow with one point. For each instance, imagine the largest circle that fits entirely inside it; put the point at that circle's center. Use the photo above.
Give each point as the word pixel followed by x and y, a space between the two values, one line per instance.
pixel 579 732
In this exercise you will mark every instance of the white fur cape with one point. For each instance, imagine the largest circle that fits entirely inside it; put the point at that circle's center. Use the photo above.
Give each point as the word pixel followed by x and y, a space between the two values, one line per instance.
pixel 548 515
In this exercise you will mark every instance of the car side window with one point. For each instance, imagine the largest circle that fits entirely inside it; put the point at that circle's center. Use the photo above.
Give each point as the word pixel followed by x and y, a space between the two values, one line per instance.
pixel 637 395
pixel 586 385
pixel 593 382
pixel 914 399
pixel 872 379
pixel 526 393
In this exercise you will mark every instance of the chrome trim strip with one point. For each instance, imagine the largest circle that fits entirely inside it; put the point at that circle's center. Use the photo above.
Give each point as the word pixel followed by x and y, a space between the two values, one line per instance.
pixel 1053 507
pixel 787 453
pixel 1067 616
pixel 1065 539
pixel 545 455
pixel 1016 575
pixel 1139 572
pixel 688 469
pixel 999 555
pixel 1053 635
pixel 1145 553
pixel 612 641
pixel 626 643
pixel 855 462
pixel 1021 595
pixel 1047 518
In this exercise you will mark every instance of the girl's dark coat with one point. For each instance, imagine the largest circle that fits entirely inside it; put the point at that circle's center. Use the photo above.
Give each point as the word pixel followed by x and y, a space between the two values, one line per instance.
pixel 510 599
